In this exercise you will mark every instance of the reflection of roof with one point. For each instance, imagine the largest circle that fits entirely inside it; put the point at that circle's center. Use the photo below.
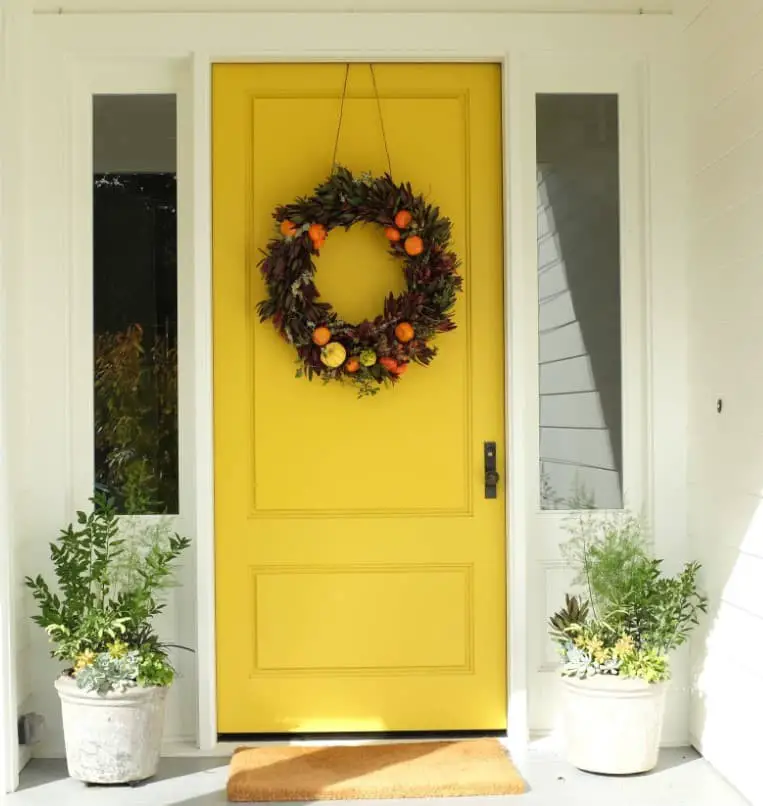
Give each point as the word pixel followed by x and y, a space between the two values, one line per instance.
pixel 575 444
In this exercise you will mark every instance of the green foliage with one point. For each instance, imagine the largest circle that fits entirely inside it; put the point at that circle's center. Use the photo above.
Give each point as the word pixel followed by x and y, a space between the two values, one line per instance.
pixel 580 498
pixel 607 551
pixel 648 664
pixel 111 579
pixel 638 614
pixel 136 420
pixel 154 670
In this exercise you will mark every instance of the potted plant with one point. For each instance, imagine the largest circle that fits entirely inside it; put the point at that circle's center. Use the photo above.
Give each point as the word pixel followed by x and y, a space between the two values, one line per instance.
pixel 111 577
pixel 614 640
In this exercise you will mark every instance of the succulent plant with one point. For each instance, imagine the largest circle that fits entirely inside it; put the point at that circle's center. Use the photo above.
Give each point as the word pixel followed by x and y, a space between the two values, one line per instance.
pixel 574 613
pixel 108 672
pixel 579 663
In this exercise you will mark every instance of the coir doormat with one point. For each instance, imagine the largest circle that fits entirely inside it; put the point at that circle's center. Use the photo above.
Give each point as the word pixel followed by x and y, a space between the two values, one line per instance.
pixel 378 771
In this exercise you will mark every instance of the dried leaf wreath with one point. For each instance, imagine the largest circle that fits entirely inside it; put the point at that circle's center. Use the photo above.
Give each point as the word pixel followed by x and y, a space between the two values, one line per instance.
pixel 371 353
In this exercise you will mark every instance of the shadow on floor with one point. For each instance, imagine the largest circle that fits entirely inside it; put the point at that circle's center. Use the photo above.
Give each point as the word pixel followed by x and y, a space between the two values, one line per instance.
pixel 312 771
pixel 42 771
pixel 669 759
pixel 682 777
pixel 210 799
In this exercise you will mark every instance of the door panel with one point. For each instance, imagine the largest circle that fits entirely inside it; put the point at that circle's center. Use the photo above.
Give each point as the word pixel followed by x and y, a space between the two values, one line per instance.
pixel 360 571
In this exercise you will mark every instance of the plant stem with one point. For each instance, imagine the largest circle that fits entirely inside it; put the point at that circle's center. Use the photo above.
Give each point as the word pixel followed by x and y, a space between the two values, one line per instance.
pixel 588 578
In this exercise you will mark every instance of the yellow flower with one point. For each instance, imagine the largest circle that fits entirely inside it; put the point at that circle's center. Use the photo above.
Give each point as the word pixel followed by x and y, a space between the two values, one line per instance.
pixel 601 655
pixel 84 659
pixel 594 645
pixel 624 646
pixel 118 649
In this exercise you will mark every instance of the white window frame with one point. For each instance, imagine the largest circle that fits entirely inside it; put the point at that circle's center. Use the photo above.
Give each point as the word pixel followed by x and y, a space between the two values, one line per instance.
pixel 132 77
pixel 626 82
pixel 547 574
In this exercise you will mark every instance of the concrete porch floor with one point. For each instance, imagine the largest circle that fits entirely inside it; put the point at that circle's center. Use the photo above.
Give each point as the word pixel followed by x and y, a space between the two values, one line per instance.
pixel 682 778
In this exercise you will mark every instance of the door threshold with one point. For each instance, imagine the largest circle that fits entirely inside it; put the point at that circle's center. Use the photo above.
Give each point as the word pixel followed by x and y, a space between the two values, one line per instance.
pixel 375 736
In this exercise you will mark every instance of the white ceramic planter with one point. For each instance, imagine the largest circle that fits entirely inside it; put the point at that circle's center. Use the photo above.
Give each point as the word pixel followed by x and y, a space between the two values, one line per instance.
pixel 613 724
pixel 113 738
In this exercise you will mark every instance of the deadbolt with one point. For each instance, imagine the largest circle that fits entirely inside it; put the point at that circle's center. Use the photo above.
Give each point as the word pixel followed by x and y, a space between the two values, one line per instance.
pixel 491 474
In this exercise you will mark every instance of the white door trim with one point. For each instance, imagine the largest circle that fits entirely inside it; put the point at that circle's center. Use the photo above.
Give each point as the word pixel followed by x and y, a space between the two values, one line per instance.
pixel 11 55
pixel 137 52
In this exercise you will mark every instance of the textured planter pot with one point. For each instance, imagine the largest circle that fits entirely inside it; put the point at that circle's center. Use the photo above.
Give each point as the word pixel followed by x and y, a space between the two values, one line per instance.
pixel 112 738
pixel 612 724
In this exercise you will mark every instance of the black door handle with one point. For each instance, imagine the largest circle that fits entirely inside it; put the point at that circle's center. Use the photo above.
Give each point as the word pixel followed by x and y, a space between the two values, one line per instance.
pixel 491 474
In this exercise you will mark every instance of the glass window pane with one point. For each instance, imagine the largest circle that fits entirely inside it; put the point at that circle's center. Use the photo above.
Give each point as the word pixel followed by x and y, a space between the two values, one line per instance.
pixel 581 455
pixel 135 301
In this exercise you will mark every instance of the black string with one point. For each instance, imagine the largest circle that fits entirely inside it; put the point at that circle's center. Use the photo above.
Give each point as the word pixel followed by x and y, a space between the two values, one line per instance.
pixel 381 118
pixel 341 113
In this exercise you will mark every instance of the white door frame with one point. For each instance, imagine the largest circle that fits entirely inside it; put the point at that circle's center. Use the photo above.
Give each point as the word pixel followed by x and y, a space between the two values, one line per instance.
pixel 154 53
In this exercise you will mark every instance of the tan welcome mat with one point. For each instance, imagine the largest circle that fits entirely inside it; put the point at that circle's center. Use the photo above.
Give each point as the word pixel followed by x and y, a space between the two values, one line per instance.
pixel 378 771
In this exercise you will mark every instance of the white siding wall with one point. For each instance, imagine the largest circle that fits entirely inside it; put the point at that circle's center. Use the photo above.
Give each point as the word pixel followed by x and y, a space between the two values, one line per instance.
pixel 726 362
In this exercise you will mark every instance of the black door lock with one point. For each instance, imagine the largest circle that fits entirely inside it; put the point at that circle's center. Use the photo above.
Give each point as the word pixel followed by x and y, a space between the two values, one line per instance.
pixel 491 474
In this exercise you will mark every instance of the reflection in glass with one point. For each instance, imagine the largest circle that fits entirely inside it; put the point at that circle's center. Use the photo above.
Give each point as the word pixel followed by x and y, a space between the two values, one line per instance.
pixel 581 461
pixel 135 301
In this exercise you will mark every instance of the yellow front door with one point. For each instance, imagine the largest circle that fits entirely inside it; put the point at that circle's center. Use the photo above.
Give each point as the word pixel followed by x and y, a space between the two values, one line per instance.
pixel 360 569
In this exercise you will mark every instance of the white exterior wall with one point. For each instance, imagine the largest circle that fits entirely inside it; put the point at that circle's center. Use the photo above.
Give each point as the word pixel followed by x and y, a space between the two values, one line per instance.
pixel 15 688
pixel 726 362
pixel 67 56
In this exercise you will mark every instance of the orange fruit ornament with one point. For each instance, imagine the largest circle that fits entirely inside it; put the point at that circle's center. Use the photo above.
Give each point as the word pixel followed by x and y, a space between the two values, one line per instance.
pixel 288 230
pixel 404 332
pixel 317 233
pixel 352 365
pixel 414 245
pixel 392 234
pixel 401 369
pixel 403 219
pixel 389 364
pixel 321 336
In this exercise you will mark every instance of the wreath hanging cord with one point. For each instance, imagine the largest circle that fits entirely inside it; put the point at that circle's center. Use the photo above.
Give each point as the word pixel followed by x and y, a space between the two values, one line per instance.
pixel 341 115
pixel 374 352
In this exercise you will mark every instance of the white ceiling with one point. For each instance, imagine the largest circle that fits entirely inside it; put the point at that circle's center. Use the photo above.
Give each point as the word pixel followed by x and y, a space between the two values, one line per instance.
pixel 568 6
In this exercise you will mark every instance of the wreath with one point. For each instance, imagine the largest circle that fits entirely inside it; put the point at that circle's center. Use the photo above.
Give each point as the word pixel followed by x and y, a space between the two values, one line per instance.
pixel 374 352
